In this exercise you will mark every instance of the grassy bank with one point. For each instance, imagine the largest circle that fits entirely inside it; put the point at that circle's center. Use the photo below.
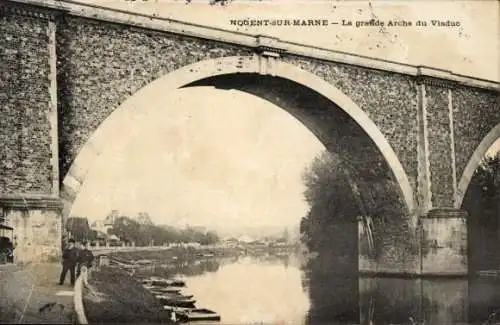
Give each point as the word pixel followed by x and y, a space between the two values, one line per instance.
pixel 115 297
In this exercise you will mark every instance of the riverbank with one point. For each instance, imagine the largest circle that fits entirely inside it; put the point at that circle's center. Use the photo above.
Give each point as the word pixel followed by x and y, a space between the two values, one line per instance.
pixel 134 254
pixel 128 301
pixel 113 296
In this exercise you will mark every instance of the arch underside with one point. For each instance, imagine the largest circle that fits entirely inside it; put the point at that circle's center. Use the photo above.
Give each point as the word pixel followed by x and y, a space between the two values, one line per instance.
pixel 334 119
pixel 334 128
pixel 474 162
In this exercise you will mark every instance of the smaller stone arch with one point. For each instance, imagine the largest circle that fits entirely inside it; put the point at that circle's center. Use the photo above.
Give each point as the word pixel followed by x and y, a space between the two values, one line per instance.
pixel 474 162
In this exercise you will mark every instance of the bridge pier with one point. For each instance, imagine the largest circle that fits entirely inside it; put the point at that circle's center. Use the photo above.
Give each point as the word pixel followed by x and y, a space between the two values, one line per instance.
pixel 37 227
pixel 436 246
pixel 444 242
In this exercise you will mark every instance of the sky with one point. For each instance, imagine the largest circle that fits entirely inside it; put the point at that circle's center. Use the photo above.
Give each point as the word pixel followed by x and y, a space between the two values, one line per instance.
pixel 214 163
pixel 224 165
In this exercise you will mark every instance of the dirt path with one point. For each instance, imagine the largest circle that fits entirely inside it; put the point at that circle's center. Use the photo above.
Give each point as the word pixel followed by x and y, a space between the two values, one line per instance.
pixel 31 294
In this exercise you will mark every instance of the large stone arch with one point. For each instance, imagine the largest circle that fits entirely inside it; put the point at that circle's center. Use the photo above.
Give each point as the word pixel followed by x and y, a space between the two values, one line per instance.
pixel 256 64
pixel 474 162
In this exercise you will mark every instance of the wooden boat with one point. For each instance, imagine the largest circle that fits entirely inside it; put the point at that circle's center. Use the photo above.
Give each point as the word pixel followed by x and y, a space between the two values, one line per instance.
pixel 144 262
pixel 176 301
pixel 172 295
pixel 175 298
pixel 177 309
pixel 159 292
pixel 197 314
pixel 162 289
pixel 164 282
pixel 180 303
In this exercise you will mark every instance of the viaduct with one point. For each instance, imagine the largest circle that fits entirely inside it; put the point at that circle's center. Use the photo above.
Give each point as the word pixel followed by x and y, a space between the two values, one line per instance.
pixel 70 71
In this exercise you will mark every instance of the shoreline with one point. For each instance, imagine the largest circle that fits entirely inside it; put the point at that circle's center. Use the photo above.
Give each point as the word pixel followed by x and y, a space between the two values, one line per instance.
pixel 113 295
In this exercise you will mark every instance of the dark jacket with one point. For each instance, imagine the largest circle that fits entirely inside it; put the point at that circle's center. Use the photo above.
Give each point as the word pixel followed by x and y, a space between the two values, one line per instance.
pixel 70 256
pixel 6 245
pixel 86 257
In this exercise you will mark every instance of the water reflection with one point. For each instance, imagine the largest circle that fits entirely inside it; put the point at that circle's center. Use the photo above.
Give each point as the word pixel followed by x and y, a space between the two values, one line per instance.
pixel 400 301
pixel 253 290
pixel 185 268
pixel 278 289
pixel 332 296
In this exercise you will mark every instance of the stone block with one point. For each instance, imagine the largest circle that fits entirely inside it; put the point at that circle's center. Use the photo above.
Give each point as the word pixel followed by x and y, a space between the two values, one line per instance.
pixel 37 230
pixel 444 242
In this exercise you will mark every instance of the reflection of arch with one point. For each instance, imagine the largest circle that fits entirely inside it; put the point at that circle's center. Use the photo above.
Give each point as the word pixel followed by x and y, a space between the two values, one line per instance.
pixel 474 161
pixel 223 66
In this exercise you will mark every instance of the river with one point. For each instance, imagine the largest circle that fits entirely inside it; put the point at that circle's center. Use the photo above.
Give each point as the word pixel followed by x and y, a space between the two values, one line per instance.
pixel 278 290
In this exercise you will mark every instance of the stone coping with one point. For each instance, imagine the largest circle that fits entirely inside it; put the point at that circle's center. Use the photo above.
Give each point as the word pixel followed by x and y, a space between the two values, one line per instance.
pixel 80 282
pixel 412 275
pixel 258 42
pixel 27 201
pixel 443 213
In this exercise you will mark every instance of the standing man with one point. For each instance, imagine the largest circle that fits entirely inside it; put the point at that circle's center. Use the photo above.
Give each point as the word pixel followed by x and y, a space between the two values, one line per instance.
pixel 79 249
pixel 69 260
pixel 85 258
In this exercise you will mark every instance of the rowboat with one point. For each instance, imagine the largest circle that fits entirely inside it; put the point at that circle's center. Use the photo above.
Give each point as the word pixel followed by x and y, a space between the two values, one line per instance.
pixel 192 314
pixel 176 301
pixel 177 309
pixel 180 303
pixel 162 289
pixel 198 314
pixel 172 295
pixel 164 282
pixel 176 293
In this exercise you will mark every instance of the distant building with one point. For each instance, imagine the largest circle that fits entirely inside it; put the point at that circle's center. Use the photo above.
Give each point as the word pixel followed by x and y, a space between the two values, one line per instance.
pixel 111 218
pixel 245 239
pixel 101 226
pixel 231 242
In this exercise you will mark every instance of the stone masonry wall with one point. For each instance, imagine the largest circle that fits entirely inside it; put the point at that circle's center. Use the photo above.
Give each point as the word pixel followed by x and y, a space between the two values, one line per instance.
pixel 101 64
pixel 24 102
pixel 444 246
pixel 440 149
pixel 389 99
pixel 475 113
pixel 37 234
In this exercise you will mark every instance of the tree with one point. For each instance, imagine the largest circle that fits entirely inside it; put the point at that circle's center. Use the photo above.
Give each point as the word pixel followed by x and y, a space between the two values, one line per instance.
pixel 144 218
pixel 209 238
pixel 126 229
pixel 92 235
pixel 142 231
pixel 339 191
pixel 482 202
pixel 79 228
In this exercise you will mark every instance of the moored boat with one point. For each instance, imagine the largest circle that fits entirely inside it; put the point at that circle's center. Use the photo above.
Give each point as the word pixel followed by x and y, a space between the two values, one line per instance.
pixel 162 289
pixel 198 314
pixel 172 295
pixel 177 309
pixel 175 293
pixel 163 282
pixel 176 301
